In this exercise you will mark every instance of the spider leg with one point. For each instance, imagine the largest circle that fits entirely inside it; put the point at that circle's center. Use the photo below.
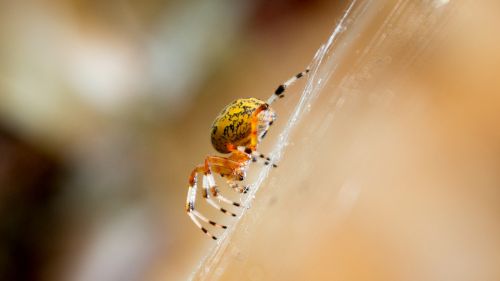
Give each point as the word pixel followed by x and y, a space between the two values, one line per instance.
pixel 203 218
pixel 220 165
pixel 236 187
pixel 206 186
pixel 224 199
pixel 259 157
pixel 215 192
pixel 279 92
pixel 255 156
pixel 190 204
pixel 240 154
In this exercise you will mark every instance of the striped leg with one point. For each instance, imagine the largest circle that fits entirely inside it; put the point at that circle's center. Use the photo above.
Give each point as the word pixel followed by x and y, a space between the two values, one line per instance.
pixel 209 183
pixel 203 218
pixel 259 157
pixel 281 88
pixel 190 203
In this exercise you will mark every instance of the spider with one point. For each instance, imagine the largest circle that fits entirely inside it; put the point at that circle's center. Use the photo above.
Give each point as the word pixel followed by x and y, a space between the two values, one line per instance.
pixel 236 131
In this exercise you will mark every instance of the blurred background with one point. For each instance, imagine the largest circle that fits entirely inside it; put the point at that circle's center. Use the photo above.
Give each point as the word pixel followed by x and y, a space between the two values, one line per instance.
pixel 106 106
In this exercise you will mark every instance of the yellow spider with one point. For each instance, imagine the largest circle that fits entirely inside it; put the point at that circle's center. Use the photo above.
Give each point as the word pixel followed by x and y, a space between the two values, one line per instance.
pixel 237 131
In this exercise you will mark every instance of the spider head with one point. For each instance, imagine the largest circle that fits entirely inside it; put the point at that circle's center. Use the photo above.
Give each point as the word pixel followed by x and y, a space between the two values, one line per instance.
pixel 266 119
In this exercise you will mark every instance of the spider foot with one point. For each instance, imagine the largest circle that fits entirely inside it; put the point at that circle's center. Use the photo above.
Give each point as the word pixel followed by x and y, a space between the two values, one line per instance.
pixel 263 159
pixel 245 189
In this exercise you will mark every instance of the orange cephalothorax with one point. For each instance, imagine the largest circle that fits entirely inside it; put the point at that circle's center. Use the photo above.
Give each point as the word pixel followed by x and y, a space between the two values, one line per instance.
pixel 233 126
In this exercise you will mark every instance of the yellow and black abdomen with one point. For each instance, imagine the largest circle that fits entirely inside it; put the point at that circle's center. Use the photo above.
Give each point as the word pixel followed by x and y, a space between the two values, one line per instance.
pixel 234 124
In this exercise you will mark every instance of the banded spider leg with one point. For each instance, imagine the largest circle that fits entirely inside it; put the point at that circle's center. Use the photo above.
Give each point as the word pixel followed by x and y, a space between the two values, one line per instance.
pixel 209 190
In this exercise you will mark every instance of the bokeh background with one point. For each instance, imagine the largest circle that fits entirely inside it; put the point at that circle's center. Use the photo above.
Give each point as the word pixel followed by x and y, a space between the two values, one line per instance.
pixel 105 107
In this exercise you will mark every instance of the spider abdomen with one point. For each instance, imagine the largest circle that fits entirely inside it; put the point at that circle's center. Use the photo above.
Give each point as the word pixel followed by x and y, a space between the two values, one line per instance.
pixel 234 124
